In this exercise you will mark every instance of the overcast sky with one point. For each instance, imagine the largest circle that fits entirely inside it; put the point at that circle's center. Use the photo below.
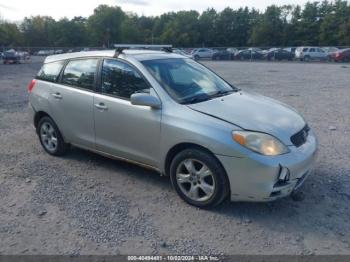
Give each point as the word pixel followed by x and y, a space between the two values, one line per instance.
pixel 15 10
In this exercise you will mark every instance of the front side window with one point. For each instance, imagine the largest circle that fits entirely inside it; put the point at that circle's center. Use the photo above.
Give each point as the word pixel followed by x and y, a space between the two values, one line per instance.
pixel 121 80
pixel 80 73
pixel 187 81
pixel 50 71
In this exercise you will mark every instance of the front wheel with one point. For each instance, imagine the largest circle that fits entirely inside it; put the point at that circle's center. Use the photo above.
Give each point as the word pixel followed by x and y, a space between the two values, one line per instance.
pixel 50 137
pixel 199 178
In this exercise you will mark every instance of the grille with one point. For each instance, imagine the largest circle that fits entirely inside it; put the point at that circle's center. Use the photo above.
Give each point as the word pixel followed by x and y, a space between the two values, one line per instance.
pixel 300 138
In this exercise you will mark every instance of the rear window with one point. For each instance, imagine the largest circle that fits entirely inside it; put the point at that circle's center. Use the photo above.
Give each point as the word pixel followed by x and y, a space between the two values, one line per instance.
pixel 50 71
pixel 80 73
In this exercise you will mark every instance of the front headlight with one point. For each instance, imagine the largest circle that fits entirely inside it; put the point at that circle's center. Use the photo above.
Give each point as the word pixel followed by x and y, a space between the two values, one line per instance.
pixel 259 142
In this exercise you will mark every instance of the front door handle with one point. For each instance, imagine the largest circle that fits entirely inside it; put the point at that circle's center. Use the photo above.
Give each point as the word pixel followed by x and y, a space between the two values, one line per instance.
pixel 57 95
pixel 101 106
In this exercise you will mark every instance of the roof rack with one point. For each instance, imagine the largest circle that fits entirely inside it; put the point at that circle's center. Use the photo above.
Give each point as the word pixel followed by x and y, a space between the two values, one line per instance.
pixel 121 47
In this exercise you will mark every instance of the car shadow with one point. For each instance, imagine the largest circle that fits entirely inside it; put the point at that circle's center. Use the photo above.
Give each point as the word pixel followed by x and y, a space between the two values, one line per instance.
pixel 283 215
pixel 120 167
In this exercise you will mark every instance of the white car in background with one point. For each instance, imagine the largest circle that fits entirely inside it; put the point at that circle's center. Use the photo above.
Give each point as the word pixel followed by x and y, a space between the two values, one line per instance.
pixel 202 53
pixel 182 52
pixel 307 53
pixel 330 49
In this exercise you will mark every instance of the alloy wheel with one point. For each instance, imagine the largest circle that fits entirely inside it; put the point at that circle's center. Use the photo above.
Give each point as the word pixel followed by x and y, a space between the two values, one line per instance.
pixel 195 180
pixel 48 137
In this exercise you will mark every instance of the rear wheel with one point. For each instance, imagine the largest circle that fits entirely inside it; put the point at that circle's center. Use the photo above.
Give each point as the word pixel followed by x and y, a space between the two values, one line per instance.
pixel 307 58
pixel 50 137
pixel 199 178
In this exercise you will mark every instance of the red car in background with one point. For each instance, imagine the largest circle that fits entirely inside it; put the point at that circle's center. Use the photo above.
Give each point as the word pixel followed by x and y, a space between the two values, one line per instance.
pixel 342 55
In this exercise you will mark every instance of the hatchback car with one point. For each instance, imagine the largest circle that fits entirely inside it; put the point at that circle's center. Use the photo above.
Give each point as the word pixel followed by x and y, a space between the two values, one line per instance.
pixel 201 53
pixel 169 113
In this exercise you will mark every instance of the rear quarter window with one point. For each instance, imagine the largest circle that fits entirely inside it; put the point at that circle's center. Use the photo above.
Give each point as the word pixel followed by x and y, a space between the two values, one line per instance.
pixel 80 73
pixel 50 71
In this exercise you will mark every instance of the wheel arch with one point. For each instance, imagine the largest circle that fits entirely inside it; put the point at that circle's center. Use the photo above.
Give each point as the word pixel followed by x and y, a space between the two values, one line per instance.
pixel 38 115
pixel 181 147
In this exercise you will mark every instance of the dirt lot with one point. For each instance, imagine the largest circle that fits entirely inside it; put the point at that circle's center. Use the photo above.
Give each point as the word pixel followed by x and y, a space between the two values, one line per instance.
pixel 87 204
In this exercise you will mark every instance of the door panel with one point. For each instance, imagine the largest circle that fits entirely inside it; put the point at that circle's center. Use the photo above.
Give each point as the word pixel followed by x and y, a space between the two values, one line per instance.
pixel 72 101
pixel 72 110
pixel 126 130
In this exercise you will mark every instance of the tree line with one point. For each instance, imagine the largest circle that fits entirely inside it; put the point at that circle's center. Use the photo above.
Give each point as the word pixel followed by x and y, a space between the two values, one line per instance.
pixel 325 23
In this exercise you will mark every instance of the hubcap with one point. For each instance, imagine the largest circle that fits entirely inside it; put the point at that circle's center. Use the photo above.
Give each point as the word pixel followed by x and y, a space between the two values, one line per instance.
pixel 48 136
pixel 195 180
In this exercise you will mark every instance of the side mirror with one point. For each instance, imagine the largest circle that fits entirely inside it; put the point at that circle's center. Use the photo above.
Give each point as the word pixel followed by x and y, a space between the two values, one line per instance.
pixel 143 99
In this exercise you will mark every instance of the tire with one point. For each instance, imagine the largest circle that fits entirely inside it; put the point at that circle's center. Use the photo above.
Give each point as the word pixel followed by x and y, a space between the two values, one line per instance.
pixel 306 58
pixel 213 178
pixel 54 143
pixel 196 57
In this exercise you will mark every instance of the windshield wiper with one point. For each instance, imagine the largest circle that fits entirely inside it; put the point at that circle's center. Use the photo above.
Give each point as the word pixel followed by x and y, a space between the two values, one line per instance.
pixel 197 99
pixel 204 97
pixel 222 93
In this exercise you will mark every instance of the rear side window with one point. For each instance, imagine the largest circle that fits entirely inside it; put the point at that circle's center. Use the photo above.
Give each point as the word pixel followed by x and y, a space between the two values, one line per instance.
pixel 80 73
pixel 120 79
pixel 50 71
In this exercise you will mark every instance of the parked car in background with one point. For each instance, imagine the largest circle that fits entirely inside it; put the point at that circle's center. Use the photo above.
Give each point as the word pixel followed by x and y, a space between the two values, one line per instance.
pixel 11 57
pixel 307 53
pixel 222 54
pixel 278 54
pixel 232 50
pixel 24 55
pixel 202 53
pixel 41 52
pixel 330 49
pixel 46 52
pixel 182 52
pixel 342 55
pixel 256 49
pixel 248 54
pixel 291 50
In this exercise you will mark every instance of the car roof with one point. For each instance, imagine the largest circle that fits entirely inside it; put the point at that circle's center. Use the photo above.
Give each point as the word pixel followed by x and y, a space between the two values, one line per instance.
pixel 140 55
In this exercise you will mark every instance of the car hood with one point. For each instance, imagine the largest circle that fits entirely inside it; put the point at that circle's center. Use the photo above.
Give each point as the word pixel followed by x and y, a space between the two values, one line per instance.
pixel 254 112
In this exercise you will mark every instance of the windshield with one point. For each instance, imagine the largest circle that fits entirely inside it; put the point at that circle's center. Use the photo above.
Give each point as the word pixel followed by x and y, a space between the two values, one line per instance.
pixel 187 81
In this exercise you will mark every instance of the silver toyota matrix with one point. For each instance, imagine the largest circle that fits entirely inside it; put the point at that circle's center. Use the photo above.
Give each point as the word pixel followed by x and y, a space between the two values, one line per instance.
pixel 168 112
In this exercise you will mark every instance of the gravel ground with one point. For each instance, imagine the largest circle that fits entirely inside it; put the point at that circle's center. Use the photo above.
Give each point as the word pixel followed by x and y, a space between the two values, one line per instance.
pixel 83 203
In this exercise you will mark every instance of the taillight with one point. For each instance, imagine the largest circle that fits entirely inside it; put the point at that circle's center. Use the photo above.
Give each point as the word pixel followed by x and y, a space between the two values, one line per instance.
pixel 31 86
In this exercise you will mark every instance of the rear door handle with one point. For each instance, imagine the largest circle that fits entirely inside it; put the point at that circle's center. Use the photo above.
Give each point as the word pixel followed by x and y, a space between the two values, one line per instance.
pixel 101 106
pixel 57 95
